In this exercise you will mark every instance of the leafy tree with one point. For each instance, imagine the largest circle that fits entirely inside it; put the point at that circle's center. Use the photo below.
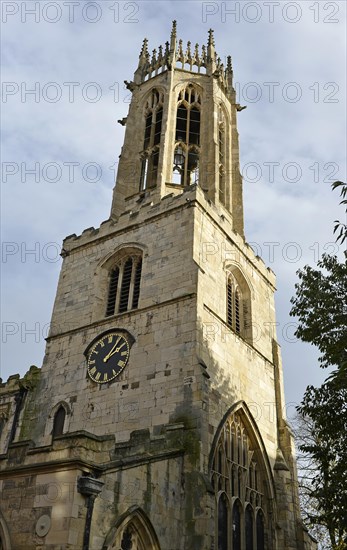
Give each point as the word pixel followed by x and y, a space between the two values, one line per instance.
pixel 341 227
pixel 324 446
pixel 321 307
pixel 304 432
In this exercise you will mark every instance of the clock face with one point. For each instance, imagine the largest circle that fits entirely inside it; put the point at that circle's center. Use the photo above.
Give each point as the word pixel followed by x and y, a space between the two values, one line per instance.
pixel 108 357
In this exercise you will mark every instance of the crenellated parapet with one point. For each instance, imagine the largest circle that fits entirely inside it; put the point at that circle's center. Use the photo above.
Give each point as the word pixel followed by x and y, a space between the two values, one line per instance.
pixel 13 395
pixel 174 55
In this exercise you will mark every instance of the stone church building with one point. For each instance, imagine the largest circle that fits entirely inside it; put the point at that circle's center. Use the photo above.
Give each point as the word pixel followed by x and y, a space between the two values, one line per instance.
pixel 156 421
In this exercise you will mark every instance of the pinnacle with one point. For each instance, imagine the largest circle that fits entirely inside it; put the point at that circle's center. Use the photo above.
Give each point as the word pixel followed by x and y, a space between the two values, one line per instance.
pixel 210 38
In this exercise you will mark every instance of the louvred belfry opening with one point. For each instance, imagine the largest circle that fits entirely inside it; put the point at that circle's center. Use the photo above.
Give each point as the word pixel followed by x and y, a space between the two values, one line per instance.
pixel 238 303
pixel 124 284
pixel 137 281
pixel 112 295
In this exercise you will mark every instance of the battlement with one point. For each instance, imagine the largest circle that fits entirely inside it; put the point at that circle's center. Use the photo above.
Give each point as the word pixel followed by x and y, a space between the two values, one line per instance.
pixel 15 382
pixel 141 207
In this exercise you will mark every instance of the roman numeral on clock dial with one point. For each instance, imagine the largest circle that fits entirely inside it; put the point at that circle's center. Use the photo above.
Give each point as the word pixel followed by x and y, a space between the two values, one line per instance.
pixel 108 357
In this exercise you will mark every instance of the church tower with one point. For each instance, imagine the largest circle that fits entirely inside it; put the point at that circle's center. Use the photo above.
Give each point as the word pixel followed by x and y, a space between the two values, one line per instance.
pixel 156 421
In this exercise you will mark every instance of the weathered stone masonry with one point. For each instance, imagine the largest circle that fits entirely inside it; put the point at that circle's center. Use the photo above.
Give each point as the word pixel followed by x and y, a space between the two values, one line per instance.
pixel 188 446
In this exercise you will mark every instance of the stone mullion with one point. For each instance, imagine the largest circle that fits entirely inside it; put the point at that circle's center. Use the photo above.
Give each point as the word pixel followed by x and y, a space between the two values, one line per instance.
pixel 221 158
pixel 254 527
pixel 144 171
pixel 149 169
pixel 234 309
pixel 119 286
pixel 241 316
pixel 135 260
pixel 148 151
pixel 151 137
pixel 228 166
pixel 187 148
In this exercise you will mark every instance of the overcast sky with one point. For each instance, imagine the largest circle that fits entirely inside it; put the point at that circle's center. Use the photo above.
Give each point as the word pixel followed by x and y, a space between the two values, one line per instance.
pixel 289 69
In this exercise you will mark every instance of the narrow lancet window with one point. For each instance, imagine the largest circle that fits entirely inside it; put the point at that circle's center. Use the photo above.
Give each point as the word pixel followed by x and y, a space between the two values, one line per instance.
pixel 236 526
pixel 249 528
pixel 157 126
pixel 260 531
pixel 151 142
pixel 222 156
pixel 58 422
pixel 187 137
pixel 137 281
pixel 125 288
pixel 112 295
pixel 222 523
pixel 230 302
pixel 237 312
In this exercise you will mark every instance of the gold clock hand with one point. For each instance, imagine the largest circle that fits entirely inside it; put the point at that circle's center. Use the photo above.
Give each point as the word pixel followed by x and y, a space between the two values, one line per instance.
pixel 113 351
pixel 106 358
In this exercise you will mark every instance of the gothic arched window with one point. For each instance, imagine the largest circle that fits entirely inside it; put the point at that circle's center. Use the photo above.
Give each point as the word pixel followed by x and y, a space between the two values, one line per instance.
pixel 236 458
pixel 187 137
pixel 238 306
pixel 151 142
pixel 59 421
pixel 124 284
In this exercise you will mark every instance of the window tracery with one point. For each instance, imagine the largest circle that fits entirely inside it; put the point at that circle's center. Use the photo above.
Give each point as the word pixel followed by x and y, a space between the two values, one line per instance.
pixel 152 137
pixel 239 484
pixel 187 137
pixel 124 284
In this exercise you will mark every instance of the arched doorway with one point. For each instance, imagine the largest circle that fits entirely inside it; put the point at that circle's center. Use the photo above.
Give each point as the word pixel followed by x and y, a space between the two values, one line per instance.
pixel 133 531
